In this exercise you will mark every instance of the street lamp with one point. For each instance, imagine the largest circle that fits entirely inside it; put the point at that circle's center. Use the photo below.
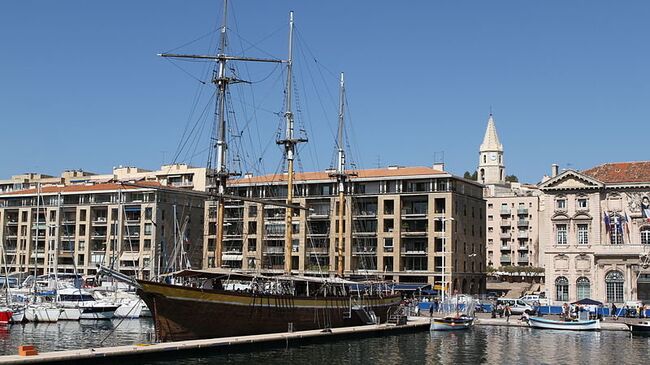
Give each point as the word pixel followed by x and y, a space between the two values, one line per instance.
pixel 444 255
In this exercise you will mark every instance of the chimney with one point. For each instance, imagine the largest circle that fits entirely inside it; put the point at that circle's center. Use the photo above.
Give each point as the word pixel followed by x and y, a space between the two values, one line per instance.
pixel 440 166
pixel 554 169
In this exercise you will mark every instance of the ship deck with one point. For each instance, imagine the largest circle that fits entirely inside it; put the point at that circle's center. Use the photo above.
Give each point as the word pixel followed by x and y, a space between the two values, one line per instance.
pixel 170 349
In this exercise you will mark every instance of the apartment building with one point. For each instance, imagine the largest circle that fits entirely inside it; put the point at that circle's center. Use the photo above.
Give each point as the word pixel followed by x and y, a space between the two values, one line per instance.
pixel 141 222
pixel 595 233
pixel 409 224
pixel 512 208
pixel 512 226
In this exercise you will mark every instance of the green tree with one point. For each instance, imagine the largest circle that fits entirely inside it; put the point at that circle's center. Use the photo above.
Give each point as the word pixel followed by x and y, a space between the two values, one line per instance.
pixel 512 178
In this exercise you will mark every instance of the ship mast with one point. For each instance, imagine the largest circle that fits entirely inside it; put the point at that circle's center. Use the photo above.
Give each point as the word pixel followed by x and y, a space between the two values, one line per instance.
pixel 289 143
pixel 341 177
pixel 221 80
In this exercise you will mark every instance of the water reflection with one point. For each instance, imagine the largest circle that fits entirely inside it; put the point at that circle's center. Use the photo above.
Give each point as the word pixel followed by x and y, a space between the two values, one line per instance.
pixel 480 345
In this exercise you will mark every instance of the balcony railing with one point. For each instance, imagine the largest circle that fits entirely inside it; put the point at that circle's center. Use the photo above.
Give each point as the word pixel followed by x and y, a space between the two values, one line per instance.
pixel 505 211
pixel 364 250
pixel 414 250
pixel 522 211
pixel 505 236
pixel 505 247
pixel 522 235
pixel 274 250
pixel 522 223
pixel 505 222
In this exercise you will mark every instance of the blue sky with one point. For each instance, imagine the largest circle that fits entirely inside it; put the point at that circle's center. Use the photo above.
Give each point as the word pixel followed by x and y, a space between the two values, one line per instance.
pixel 81 86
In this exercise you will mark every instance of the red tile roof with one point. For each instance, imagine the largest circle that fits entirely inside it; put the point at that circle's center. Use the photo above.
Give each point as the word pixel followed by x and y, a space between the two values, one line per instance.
pixel 323 175
pixel 621 172
pixel 84 188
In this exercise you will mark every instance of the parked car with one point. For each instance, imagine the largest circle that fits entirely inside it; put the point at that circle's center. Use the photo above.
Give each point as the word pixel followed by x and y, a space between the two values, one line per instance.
pixel 517 306
pixel 535 300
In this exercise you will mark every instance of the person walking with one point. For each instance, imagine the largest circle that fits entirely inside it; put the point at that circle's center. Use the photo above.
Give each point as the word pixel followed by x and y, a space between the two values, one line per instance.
pixel 507 313
pixel 614 309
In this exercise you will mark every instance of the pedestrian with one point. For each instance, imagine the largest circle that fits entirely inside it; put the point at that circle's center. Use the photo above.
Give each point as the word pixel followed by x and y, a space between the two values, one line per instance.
pixel 430 309
pixel 508 312
pixel 614 309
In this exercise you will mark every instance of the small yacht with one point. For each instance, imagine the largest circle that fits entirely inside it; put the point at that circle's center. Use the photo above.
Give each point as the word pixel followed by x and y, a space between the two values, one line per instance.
pixel 78 304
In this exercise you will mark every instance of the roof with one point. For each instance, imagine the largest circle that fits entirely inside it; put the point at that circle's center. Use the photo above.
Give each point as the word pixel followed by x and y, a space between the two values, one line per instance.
pixel 621 172
pixel 53 189
pixel 491 139
pixel 361 174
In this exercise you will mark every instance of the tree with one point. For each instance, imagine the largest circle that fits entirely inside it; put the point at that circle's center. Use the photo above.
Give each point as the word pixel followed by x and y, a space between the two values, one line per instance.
pixel 470 176
pixel 512 178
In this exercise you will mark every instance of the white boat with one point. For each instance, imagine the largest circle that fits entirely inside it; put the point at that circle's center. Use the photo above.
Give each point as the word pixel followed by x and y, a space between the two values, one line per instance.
pixel 42 312
pixel 19 313
pixel 451 323
pixel 640 327
pixel 79 304
pixel 130 309
pixel 576 325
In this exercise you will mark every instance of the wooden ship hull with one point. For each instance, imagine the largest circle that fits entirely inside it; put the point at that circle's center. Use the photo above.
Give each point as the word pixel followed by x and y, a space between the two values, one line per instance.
pixel 187 313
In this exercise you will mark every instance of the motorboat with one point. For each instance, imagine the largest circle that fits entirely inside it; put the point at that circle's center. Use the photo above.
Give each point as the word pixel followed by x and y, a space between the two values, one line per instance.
pixel 452 323
pixel 571 325
pixel 640 327
pixel 80 304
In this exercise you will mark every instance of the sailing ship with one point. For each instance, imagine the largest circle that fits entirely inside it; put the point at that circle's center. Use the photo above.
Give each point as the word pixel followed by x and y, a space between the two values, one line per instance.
pixel 199 304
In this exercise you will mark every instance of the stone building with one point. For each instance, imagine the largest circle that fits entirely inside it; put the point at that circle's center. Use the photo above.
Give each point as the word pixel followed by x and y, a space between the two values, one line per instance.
pixel 595 233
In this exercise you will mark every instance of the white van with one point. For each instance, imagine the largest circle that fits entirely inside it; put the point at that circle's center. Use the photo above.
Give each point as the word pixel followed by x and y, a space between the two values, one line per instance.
pixel 517 306
pixel 532 299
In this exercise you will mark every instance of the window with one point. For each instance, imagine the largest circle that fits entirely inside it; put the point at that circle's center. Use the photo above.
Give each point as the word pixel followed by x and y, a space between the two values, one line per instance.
pixel 561 230
pixel 614 286
pixel 583 288
pixel 562 289
pixel 388 245
pixel 582 204
pixel 616 230
pixel 560 204
pixel 583 235
pixel 645 235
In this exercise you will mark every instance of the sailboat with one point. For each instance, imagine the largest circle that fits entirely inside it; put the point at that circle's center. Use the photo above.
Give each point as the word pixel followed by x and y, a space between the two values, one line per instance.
pixel 198 305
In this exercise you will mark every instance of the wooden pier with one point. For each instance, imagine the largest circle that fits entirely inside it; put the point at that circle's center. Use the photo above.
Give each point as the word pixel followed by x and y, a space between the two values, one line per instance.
pixel 215 345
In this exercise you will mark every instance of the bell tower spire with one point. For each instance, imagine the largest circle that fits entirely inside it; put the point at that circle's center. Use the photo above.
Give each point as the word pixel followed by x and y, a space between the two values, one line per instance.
pixel 491 168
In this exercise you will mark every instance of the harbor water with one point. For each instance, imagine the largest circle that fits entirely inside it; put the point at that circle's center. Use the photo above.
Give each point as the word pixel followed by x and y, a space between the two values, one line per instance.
pixel 481 344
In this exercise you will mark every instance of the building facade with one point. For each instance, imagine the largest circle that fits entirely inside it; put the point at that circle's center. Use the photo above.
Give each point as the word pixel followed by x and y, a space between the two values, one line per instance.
pixel 595 233
pixel 138 221
pixel 409 224
pixel 512 226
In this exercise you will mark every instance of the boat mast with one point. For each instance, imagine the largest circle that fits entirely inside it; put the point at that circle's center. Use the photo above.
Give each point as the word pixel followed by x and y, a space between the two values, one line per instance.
pixel 341 177
pixel 289 143
pixel 221 80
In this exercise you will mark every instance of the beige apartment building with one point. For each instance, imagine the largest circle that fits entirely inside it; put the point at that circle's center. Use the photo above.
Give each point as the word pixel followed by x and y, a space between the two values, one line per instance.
pixel 595 233
pixel 408 224
pixel 139 221
pixel 512 218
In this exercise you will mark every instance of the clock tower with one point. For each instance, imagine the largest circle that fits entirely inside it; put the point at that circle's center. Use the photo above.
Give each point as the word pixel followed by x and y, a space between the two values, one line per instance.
pixel 491 169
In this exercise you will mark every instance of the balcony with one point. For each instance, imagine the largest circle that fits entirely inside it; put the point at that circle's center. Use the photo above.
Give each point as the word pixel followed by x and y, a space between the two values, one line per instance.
pixel 413 250
pixel 182 184
pixel 505 223
pixel 505 211
pixel 414 228
pixel 522 259
pixel 318 251
pixel 522 211
pixel 505 235
pixel 522 223
pixel 364 249
pixel 505 259
pixel 273 250
pixel 523 248
pixel 522 235
pixel 505 247
pixel 100 221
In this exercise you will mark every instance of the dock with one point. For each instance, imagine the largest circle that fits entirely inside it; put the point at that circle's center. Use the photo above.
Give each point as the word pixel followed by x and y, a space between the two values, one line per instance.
pixel 111 355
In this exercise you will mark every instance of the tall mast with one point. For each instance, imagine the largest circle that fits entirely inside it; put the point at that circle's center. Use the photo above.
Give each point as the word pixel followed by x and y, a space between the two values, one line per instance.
pixel 341 176
pixel 289 143
pixel 221 80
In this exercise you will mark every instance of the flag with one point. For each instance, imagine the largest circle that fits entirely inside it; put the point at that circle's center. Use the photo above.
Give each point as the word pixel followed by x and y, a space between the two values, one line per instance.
pixel 627 224
pixel 606 220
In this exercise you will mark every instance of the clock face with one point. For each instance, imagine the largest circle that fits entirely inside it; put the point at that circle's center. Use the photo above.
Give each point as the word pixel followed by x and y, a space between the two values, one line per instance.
pixel 493 156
